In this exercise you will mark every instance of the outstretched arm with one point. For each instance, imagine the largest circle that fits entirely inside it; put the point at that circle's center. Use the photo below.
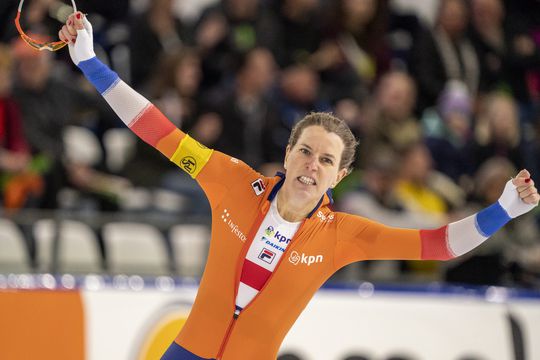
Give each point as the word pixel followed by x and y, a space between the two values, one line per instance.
pixel 139 114
pixel 146 121
pixel 372 240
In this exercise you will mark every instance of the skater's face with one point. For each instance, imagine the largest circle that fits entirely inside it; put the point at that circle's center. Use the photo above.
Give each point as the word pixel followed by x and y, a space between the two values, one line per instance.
pixel 312 164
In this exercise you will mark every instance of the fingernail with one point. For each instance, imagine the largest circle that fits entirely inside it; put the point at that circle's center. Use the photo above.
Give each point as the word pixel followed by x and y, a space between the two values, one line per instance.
pixel 528 180
pixel 78 15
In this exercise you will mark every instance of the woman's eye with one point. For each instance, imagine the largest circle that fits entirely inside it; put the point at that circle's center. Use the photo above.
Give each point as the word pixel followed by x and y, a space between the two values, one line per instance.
pixel 328 161
pixel 304 151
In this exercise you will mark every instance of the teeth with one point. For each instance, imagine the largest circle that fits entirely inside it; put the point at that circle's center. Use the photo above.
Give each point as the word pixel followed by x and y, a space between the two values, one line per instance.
pixel 306 180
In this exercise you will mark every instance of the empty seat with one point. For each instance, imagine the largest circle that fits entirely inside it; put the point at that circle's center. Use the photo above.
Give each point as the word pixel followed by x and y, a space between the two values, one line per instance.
pixel 14 256
pixel 78 247
pixel 190 247
pixel 120 147
pixel 134 248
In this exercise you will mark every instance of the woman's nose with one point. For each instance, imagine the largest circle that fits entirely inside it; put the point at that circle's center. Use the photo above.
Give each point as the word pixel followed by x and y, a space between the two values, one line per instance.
pixel 311 163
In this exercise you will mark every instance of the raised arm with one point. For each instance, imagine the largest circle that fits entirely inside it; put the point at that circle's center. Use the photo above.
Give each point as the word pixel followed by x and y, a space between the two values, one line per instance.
pixel 139 114
pixel 371 240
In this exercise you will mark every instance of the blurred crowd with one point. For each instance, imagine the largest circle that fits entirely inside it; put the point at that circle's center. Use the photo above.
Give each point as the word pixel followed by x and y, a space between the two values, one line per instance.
pixel 446 109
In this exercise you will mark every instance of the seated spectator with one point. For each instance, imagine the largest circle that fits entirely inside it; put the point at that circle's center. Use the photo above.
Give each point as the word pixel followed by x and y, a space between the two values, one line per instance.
pixel 506 50
pixel 297 95
pixel 375 197
pixel 248 117
pixel 226 31
pixel 497 131
pixel 48 105
pixel 354 51
pixel 297 31
pixel 18 182
pixel 153 34
pixel 448 132
pixel 444 53
pixel 390 118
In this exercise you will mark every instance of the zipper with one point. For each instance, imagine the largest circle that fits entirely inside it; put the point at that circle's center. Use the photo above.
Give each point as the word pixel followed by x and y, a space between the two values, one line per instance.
pixel 227 335
pixel 245 248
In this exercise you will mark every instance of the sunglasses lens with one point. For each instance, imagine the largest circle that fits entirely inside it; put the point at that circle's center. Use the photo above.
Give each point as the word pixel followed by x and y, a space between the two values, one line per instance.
pixel 52 46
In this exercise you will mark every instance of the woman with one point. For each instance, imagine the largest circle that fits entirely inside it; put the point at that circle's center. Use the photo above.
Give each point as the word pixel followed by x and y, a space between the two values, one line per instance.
pixel 275 240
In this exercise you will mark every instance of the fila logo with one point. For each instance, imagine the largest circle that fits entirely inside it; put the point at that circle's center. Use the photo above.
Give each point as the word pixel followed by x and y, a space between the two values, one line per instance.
pixel 258 186
pixel 324 218
pixel 267 255
pixel 296 258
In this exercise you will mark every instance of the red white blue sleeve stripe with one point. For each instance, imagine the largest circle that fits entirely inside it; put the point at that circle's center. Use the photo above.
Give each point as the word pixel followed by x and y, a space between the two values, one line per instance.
pixel 462 236
pixel 139 114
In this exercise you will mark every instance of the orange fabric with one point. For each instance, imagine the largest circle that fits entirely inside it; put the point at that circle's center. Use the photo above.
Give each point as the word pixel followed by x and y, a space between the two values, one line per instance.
pixel 335 239
pixel 41 325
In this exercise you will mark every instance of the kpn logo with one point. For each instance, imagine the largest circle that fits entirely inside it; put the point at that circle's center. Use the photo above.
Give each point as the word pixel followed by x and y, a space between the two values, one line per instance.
pixel 300 258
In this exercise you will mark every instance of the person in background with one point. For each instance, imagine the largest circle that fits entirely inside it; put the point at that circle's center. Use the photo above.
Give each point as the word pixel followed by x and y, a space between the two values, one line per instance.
pixel 154 33
pixel 444 53
pixel 506 51
pixel 17 182
pixel 275 240
pixel 227 30
pixel 48 105
pixel 498 131
pixel 390 117
pixel 447 129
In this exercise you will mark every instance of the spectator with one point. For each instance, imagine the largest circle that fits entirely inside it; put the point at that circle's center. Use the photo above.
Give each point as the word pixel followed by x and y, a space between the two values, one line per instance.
pixel 506 51
pixel 448 132
pixel 376 196
pixel 354 52
pixel 297 95
pixel 298 31
pixel 228 30
pixel 153 34
pixel 17 181
pixel 444 53
pixel 247 115
pixel 48 105
pixel 497 131
pixel 390 117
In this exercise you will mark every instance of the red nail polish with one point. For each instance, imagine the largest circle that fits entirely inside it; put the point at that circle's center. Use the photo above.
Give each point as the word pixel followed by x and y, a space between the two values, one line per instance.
pixel 528 180
pixel 78 15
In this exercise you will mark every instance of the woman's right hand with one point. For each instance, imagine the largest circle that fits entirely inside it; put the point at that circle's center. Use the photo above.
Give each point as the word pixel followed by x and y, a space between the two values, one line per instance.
pixel 77 33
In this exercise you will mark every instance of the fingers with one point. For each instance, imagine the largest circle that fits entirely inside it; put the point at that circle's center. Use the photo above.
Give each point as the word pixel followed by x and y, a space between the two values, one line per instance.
pixel 531 199
pixel 523 178
pixel 66 36
pixel 68 33
pixel 78 20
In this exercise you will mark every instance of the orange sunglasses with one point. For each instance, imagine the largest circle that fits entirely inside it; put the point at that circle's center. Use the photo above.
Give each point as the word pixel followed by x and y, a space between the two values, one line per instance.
pixel 51 46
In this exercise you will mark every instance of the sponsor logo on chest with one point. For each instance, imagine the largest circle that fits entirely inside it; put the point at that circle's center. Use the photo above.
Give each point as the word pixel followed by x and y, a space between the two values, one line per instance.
pixel 300 258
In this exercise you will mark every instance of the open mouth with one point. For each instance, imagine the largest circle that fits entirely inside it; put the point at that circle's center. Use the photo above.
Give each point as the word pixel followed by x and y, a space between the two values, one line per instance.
pixel 306 180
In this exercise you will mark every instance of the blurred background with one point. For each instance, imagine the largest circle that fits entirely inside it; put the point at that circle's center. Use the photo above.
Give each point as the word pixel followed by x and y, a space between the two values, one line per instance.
pixel 443 96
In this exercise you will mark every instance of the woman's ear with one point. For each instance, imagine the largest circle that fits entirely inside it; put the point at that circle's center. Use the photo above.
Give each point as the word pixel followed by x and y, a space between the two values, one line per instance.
pixel 340 175
pixel 287 150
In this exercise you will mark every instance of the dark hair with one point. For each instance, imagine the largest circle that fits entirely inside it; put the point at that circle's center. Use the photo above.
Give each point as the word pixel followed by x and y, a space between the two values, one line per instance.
pixel 331 124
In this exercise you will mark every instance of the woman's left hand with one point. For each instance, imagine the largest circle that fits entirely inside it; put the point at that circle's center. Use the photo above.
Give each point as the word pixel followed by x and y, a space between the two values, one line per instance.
pixel 525 188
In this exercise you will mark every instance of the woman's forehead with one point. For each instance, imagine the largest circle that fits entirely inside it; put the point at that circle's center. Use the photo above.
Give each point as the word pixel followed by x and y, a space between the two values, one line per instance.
pixel 317 137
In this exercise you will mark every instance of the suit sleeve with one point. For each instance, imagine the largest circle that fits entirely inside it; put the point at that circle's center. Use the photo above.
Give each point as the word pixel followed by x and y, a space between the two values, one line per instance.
pixel 215 172
pixel 362 239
